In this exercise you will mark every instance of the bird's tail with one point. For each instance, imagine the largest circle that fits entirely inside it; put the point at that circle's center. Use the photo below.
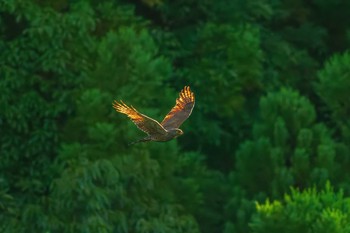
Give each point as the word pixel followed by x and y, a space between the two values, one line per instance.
pixel 146 139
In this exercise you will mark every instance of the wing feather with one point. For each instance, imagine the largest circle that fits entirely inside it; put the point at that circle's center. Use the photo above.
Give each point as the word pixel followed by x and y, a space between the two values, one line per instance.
pixel 143 122
pixel 181 111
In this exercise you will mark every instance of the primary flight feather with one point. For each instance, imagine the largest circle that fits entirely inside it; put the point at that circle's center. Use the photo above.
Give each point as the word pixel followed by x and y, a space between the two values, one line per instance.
pixel 169 127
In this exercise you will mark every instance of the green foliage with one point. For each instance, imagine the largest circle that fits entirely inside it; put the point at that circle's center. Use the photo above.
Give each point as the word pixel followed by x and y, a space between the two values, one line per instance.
pixel 224 65
pixel 39 71
pixel 307 211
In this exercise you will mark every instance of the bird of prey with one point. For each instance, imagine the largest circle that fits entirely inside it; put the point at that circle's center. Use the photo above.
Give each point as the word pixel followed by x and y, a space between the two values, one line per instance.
pixel 169 128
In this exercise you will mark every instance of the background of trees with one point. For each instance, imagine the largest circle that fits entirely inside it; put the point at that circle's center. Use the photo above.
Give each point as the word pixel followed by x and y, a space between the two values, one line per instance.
pixel 265 150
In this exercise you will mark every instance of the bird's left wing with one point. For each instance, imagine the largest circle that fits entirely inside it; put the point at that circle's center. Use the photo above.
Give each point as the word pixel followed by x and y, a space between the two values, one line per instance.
pixel 181 111
pixel 143 122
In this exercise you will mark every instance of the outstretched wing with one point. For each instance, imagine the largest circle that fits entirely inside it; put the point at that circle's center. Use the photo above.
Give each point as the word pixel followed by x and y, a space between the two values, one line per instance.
pixel 143 122
pixel 181 111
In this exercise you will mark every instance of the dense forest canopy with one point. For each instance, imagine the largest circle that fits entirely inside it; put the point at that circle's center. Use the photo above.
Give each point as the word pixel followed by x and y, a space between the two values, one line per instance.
pixel 266 149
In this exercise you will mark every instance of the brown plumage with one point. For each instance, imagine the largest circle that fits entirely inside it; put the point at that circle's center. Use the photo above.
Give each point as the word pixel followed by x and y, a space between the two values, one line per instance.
pixel 169 128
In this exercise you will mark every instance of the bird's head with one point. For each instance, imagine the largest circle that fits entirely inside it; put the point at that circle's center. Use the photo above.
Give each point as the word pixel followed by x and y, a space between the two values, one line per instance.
pixel 176 132
pixel 179 132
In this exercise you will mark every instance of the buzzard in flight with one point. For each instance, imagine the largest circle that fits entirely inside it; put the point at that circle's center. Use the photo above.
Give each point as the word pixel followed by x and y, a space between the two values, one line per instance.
pixel 169 127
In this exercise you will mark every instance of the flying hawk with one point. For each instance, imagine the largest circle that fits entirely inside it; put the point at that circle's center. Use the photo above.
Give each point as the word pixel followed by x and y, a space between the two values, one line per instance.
pixel 169 127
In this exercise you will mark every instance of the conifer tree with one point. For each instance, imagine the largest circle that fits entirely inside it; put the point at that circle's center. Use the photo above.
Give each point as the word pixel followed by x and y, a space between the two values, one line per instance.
pixel 333 89
pixel 288 148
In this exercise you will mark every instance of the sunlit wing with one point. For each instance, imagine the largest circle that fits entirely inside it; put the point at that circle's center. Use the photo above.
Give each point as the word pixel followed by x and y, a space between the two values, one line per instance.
pixel 181 111
pixel 143 122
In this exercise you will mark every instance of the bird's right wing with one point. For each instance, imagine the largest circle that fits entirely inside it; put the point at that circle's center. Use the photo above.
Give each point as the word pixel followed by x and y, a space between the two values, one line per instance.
pixel 143 122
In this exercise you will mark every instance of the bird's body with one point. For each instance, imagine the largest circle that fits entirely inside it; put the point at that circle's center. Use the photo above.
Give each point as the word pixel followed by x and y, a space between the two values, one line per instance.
pixel 170 134
pixel 169 128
